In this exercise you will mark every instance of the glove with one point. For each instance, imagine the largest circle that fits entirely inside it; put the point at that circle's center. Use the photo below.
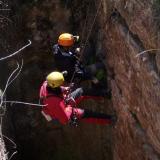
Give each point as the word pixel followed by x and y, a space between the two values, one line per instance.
pixel 76 38
pixel 70 100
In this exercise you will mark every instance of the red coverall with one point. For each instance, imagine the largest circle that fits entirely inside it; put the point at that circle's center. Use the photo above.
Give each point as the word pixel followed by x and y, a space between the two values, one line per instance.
pixel 58 110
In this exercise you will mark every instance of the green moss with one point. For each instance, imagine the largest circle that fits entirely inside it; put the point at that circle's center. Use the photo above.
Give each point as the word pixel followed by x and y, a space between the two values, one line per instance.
pixel 157 2
pixel 100 75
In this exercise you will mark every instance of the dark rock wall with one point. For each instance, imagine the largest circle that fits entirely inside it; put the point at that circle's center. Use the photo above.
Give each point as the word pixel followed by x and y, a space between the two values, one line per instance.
pixel 123 31
pixel 35 137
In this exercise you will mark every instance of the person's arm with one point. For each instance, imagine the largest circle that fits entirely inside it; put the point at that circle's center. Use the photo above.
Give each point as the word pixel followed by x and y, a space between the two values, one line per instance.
pixel 56 50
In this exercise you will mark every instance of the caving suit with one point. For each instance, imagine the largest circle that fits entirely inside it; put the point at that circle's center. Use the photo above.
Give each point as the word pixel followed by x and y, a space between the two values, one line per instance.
pixel 56 108
pixel 67 60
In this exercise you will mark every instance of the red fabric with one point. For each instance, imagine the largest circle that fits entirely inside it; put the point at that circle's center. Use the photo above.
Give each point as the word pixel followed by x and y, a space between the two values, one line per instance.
pixel 97 120
pixel 81 98
pixel 56 107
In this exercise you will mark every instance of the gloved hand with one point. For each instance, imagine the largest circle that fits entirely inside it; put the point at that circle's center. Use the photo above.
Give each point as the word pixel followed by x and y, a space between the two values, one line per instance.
pixel 78 52
pixel 76 39
pixel 70 100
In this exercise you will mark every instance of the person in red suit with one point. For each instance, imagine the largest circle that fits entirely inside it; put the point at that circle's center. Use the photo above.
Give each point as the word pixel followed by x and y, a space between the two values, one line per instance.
pixel 61 104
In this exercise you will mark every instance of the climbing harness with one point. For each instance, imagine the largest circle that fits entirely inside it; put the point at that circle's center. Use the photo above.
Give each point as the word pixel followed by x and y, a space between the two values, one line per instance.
pixel 73 118
pixel 70 100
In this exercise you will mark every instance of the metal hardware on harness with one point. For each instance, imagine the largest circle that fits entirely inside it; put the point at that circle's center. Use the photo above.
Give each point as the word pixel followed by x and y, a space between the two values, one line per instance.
pixel 73 119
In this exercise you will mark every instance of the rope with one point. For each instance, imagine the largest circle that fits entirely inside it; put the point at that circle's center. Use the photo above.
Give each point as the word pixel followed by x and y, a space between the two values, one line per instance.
pixel 14 146
pixel 12 155
pixel 92 26
pixel 3 150
pixel 17 73
pixel 88 37
pixel 73 118
pixel 27 103
pixel 83 31
pixel 149 50
pixel 9 82
pixel 13 54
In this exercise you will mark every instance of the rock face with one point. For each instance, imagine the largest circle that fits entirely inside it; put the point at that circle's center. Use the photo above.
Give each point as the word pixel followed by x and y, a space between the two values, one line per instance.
pixel 127 33
pixel 131 37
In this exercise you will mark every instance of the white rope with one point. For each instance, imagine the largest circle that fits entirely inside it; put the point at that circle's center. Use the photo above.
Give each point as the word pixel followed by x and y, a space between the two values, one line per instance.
pixel 1 135
pixel 7 84
pixel 12 155
pixel 149 50
pixel 3 153
pixel 13 54
pixel 17 73
pixel 27 103
pixel 3 17
pixel 14 144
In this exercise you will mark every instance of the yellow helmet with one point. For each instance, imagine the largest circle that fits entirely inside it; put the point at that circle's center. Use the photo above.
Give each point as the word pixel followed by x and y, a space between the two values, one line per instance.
pixel 55 79
pixel 66 40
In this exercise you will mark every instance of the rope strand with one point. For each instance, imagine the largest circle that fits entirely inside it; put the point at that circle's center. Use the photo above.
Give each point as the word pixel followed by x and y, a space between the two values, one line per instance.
pixel 149 50
pixel 87 38
pixel 7 84
pixel 13 54
pixel 17 73
pixel 84 26
pixel 92 26
pixel 27 103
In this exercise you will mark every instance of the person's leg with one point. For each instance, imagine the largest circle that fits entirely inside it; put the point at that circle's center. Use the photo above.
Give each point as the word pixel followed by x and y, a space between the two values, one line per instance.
pixel 75 114
pixel 85 93
pixel 91 114
pixel 96 91
pixel 77 93
pixel 99 118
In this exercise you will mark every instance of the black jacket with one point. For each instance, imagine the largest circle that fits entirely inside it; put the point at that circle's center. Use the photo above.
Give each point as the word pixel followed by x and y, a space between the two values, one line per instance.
pixel 67 61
